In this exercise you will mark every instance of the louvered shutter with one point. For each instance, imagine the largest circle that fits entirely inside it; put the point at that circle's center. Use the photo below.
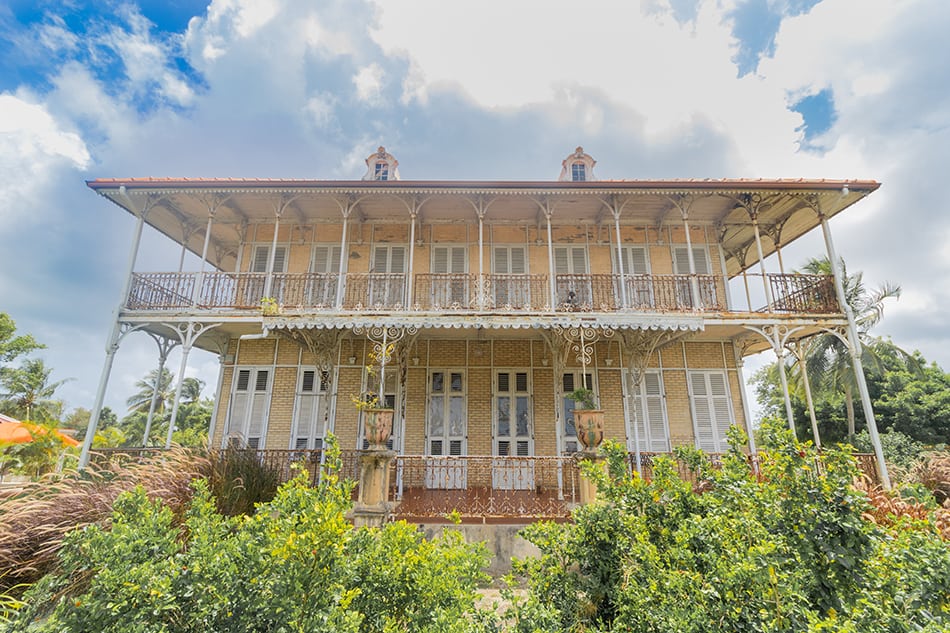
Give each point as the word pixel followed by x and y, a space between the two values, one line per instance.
pixel 381 260
pixel 440 260
pixel 258 410
pixel 705 423
pixel 397 259
pixel 656 421
pixel 239 403
pixel 326 259
pixel 518 261
pixel 561 261
pixel 718 391
pixel 635 260
pixel 700 260
pixel 259 264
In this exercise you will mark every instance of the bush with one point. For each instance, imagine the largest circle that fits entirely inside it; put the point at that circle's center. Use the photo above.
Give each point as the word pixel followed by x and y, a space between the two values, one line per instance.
pixel 295 565
pixel 240 479
pixel 787 549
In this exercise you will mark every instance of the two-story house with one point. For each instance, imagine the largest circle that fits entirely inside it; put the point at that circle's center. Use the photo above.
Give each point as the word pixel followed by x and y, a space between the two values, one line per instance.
pixel 496 299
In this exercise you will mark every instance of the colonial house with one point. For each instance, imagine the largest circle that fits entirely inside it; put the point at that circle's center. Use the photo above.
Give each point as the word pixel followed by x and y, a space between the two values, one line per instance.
pixel 482 306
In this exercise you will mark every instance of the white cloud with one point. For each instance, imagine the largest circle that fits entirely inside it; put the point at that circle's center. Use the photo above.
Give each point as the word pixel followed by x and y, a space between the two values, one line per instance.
pixel 33 147
pixel 369 82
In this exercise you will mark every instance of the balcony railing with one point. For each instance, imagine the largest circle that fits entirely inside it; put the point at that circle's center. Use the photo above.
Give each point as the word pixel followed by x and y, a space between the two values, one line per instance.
pixel 803 294
pixel 478 487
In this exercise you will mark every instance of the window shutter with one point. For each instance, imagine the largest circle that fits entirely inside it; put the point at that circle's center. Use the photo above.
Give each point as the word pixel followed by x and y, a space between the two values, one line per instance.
pixel 458 259
pixel 280 259
pixel 309 381
pixel 381 260
pixel 440 260
pixel 579 260
pixel 326 259
pixel 659 442
pixel 259 265
pixel 700 260
pixel 518 264
pixel 521 381
pixel 397 260
pixel 501 261
pixel 636 263
pixel 244 378
pixel 720 406
pixel 561 265
pixel 504 384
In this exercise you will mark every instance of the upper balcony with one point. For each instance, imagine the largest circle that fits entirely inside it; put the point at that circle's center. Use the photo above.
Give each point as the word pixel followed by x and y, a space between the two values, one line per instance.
pixel 460 293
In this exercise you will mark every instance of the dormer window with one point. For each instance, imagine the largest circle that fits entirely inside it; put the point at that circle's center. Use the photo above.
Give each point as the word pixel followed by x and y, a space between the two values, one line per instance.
pixel 578 167
pixel 578 172
pixel 381 165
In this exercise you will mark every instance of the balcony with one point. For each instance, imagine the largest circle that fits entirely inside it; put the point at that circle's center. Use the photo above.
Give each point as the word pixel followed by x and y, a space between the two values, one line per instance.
pixel 431 292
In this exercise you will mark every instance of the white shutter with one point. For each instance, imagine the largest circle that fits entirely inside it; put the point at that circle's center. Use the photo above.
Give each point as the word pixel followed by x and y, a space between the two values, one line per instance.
pixel 397 259
pixel 259 263
pixel 440 260
pixel 656 420
pixel 700 260
pixel 326 259
pixel 635 260
pixel 381 260
pixel 712 409
pixel 458 259
pixel 239 403
pixel 518 261
pixel 500 261
pixel 258 409
pixel 561 262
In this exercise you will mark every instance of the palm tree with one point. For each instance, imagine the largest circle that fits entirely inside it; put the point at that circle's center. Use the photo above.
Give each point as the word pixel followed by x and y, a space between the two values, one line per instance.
pixel 28 393
pixel 829 364
pixel 191 389
pixel 141 400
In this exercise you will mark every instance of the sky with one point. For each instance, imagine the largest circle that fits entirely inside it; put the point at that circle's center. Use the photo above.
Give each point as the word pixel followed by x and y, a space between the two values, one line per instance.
pixel 495 89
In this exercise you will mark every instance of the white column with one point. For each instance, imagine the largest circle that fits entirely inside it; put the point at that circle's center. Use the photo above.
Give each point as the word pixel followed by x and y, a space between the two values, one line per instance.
pixel 185 350
pixel 620 264
pixel 269 281
pixel 725 275
pixel 199 279
pixel 855 349
pixel 693 281
pixel 341 275
pixel 808 398
pixel 413 214
pixel 551 269
pixel 114 335
pixel 780 363
pixel 758 248
pixel 740 362
pixel 162 357
pixel 480 211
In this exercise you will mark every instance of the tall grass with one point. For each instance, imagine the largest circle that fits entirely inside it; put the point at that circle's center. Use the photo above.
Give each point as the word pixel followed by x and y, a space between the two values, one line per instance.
pixel 240 479
pixel 34 521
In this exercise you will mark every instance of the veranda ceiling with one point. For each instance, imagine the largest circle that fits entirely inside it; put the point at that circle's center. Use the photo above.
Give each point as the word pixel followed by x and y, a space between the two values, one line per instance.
pixel 179 208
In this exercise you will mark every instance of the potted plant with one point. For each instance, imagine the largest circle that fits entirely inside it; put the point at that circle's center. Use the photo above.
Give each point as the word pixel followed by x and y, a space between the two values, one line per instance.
pixel 269 306
pixel 377 418
pixel 588 419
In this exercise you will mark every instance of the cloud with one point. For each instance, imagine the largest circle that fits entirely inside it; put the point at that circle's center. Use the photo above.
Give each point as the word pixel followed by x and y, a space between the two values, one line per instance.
pixel 497 90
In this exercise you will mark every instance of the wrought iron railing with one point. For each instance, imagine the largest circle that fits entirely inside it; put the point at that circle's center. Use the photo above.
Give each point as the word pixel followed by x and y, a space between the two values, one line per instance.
pixel 810 294
pixel 804 294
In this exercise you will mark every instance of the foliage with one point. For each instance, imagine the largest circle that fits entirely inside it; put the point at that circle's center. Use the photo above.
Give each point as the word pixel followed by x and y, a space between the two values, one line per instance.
pixel 33 523
pixel 901 451
pixel 239 480
pixel 28 392
pixel 295 565
pixel 12 346
pixel 584 397
pixel 44 454
pixel 787 549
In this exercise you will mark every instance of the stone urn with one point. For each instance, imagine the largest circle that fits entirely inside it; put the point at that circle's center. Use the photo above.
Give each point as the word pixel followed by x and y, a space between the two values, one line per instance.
pixel 378 426
pixel 589 424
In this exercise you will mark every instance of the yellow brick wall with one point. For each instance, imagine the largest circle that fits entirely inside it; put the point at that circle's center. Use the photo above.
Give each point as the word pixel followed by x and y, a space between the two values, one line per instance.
pixel 478 359
pixel 479 411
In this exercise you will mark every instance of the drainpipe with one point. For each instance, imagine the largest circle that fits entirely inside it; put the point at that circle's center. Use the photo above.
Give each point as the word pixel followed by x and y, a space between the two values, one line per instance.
pixel 855 349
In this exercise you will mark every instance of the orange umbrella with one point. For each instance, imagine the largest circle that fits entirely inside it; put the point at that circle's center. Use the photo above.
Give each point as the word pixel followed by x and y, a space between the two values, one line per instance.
pixel 22 432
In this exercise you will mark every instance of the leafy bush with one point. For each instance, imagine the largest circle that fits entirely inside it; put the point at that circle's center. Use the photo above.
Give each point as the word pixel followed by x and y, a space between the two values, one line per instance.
pixel 295 565
pixel 785 549
pixel 933 472
pixel 901 451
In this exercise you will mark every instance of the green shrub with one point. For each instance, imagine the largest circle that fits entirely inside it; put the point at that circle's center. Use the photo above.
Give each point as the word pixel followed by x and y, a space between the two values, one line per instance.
pixel 240 479
pixel 296 564
pixel 785 549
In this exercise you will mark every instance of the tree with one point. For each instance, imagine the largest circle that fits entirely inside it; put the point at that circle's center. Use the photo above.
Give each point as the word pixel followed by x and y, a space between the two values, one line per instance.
pixel 829 363
pixel 13 346
pixel 141 400
pixel 28 392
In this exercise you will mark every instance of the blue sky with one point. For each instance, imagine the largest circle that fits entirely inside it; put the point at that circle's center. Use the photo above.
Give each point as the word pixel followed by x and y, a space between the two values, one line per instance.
pixel 495 89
